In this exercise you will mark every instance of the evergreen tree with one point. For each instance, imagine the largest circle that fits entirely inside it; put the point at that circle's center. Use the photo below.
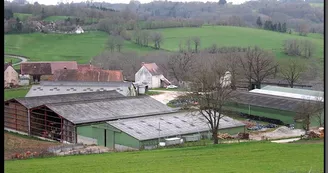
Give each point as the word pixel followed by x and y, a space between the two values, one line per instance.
pixel 259 22
pixel 279 27
pixel 43 14
pixel 274 27
pixel 284 27
pixel 19 25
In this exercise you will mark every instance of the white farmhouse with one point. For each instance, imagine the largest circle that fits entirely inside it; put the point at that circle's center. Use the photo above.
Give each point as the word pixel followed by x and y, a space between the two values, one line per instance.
pixel 79 30
pixel 150 75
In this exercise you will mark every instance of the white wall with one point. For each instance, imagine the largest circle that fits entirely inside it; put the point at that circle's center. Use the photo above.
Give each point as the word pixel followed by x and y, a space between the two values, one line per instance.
pixel 156 81
pixel 143 76
pixel 86 140
pixel 11 76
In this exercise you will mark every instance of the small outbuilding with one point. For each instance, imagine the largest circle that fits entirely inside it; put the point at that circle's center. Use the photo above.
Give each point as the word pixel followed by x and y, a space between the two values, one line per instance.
pixel 151 76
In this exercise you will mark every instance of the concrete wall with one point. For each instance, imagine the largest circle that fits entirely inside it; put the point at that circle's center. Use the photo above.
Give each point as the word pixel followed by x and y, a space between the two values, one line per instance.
pixel 11 76
pixel 143 76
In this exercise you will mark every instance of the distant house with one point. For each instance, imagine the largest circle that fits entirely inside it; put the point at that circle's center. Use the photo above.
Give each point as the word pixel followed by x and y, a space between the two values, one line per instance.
pixel 11 76
pixel 38 69
pixel 24 80
pixel 88 73
pixel 79 30
pixel 151 75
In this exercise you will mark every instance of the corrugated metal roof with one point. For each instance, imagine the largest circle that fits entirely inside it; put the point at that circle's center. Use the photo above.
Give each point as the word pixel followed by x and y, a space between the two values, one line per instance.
pixel 31 102
pixel 168 125
pixel 294 91
pixel 109 109
pixel 268 101
pixel 55 88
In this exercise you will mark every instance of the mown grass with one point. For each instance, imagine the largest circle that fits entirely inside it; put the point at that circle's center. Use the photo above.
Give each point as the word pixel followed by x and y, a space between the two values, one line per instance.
pixel 16 92
pixel 63 47
pixel 22 16
pixel 236 36
pixel 248 157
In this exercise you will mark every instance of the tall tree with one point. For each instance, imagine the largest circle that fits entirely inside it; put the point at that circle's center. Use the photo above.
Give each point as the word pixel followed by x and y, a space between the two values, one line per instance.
pixel 284 28
pixel 309 110
pixel 181 65
pixel 157 39
pixel 257 65
pixel 259 22
pixel 292 70
pixel 196 41
pixel 279 27
pixel 222 2
pixel 215 95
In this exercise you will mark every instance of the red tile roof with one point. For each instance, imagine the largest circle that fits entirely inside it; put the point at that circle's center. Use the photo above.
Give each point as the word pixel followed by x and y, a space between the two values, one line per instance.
pixel 46 68
pixel 88 75
pixel 152 68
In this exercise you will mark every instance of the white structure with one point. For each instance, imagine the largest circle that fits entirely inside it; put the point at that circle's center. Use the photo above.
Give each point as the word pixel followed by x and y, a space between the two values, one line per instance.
pixel 79 30
pixel 24 80
pixel 226 80
pixel 10 76
pixel 149 74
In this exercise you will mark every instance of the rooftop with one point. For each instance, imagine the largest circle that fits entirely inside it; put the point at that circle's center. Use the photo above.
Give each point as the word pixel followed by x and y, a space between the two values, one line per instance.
pixel 153 68
pixel 168 125
pixel 31 102
pixel 109 109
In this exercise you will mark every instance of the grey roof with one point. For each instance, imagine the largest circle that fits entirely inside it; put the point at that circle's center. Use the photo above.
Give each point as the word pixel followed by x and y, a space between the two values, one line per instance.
pixel 77 83
pixel 44 90
pixel 109 109
pixel 179 123
pixel 294 91
pixel 31 102
pixel 269 101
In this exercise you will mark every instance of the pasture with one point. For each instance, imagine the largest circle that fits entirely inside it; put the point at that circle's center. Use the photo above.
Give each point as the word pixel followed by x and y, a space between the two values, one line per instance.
pixel 247 157
pixel 236 36
pixel 16 92
pixel 14 60
pixel 22 16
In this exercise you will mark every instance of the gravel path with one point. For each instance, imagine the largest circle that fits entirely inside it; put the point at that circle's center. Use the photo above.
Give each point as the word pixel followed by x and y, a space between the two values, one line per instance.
pixel 23 59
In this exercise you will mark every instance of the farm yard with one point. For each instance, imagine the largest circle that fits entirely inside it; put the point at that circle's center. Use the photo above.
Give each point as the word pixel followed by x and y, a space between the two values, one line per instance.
pixel 250 157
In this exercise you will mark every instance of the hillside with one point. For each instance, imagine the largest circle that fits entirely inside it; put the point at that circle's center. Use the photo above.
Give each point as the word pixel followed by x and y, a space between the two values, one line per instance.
pixel 62 47
pixel 235 36
pixel 249 157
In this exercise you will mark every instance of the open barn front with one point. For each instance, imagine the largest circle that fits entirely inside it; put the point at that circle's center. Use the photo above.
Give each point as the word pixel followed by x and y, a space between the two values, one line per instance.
pixel 48 124
pixel 16 116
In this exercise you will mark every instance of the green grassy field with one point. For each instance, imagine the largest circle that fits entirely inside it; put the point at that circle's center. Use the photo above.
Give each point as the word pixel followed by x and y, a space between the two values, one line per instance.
pixel 62 47
pixel 236 36
pixel 56 18
pixel 14 60
pixel 248 157
pixel 317 5
pixel 22 16
pixel 16 92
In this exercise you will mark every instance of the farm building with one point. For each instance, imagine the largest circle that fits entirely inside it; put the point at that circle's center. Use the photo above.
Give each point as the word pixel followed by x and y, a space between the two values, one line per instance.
pixel 18 111
pixel 38 69
pixel 65 87
pixel 88 73
pixel 147 132
pixel 272 106
pixel 10 76
pixel 151 75
pixel 63 121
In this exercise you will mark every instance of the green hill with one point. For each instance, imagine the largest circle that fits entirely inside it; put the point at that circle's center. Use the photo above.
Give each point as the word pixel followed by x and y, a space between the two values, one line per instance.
pixel 236 36
pixel 22 16
pixel 250 157
pixel 55 18
pixel 62 47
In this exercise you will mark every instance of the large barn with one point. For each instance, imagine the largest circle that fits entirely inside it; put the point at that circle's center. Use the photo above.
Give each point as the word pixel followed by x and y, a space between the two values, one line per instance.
pixel 62 117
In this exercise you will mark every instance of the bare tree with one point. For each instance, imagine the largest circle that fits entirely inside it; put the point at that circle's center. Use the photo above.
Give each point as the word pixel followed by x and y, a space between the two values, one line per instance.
pixel 213 49
pixel 111 44
pixel 196 41
pixel 180 66
pixel 215 95
pixel 157 39
pixel 188 44
pixel 231 60
pixel 257 65
pixel 310 110
pixel 145 37
pixel 119 41
pixel 291 70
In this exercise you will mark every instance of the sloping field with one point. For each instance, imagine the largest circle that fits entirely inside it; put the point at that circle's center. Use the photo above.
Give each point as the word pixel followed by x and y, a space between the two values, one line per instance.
pixel 22 16
pixel 235 36
pixel 62 47
pixel 251 157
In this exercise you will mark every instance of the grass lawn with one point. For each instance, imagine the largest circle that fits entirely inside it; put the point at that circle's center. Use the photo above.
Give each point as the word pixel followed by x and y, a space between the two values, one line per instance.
pixel 16 92
pixel 248 157
pixel 153 93
pixel 317 5
pixel 14 60
pixel 236 36
pixel 22 16
pixel 56 18
pixel 62 47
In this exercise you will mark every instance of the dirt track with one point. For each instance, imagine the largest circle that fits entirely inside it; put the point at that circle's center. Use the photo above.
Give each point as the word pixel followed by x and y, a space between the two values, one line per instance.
pixel 167 96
